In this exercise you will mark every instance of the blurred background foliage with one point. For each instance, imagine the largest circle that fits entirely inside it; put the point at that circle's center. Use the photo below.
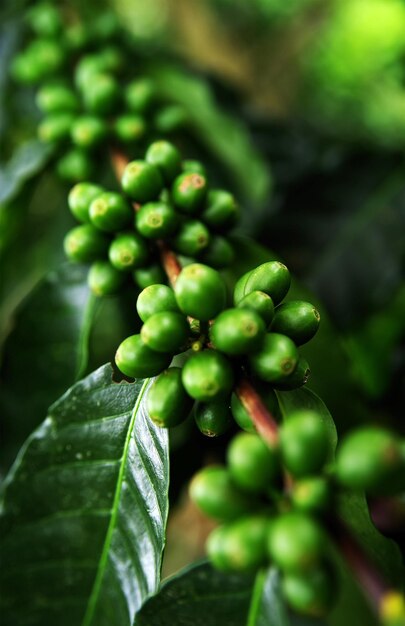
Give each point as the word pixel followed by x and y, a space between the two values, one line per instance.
pixel 299 107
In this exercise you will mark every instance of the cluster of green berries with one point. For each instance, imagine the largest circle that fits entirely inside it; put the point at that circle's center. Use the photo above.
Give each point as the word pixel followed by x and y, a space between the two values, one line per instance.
pixel 220 345
pixel 165 199
pixel 100 102
pixel 268 518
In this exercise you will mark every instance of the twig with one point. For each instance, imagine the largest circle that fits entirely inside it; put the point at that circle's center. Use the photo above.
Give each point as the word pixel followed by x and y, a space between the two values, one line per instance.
pixel 265 423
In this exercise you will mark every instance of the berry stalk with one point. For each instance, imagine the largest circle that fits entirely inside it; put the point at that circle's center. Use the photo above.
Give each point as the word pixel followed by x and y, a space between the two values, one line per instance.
pixel 265 423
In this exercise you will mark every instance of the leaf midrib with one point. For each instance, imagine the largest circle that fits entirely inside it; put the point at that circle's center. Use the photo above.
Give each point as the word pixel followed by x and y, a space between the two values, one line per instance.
pixel 91 606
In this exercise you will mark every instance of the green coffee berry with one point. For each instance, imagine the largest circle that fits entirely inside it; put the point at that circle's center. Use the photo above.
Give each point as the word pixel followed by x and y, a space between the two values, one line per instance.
pixel 85 243
pixel 88 66
pixel 104 280
pixel 311 494
pixel 194 167
pixel 112 57
pixel 139 95
pixel 297 319
pixel 189 191
pixel 311 593
pixel 80 198
pixel 102 94
pixel 88 132
pixel 221 212
pixel 208 376
pixel 77 36
pixel 46 56
pixel 166 331
pixel 371 459
pixel 127 251
pixel 150 275
pixel 200 291
pixel 105 26
pixel 237 331
pixel 130 128
pixel 254 467
pixel 57 98
pixel 239 289
pixel 74 166
pixel 25 70
pixel 109 211
pixel 259 302
pixel 213 418
pixel 156 220
pixel 44 19
pixel 170 119
pixel 156 299
pixel 295 542
pixel 276 359
pixel 242 417
pixel 56 127
pixel 297 379
pixel 136 360
pixel 240 545
pixel 219 253
pixel 304 443
pixel 167 402
pixel 213 491
pixel 192 238
pixel 273 278
pixel 142 181
pixel 166 157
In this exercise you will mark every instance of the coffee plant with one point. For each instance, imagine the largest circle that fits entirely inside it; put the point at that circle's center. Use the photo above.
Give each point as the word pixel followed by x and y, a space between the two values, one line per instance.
pixel 206 335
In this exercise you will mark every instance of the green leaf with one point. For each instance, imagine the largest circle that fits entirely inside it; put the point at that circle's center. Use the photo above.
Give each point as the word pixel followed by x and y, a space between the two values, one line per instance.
pixel 50 342
pixel 199 595
pixel 28 159
pixel 303 398
pixel 84 510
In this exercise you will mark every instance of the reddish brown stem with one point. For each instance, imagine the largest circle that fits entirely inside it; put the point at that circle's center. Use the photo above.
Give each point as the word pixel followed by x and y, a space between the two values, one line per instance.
pixel 119 162
pixel 265 423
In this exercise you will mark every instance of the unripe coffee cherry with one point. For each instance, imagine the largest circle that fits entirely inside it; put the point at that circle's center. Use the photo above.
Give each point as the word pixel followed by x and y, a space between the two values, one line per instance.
pixel 44 19
pixel 166 331
pixel 170 118
pixel 312 593
pixel 237 331
pixel 166 157
pixel 254 467
pixel 156 220
pixel 88 66
pixel 259 302
pixel 213 418
pixel 85 243
pixel 240 545
pixel 221 211
pixel 304 443
pixel 218 254
pixel 109 211
pixel 193 167
pixel 56 98
pixel 74 166
pixel 298 378
pixel 88 131
pixel 276 359
pixel 142 181
pixel 101 94
pixel 130 128
pixel 139 95
pixel 214 492
pixel 56 127
pixel 208 376
pixel 104 280
pixel 297 319
pixel 371 459
pixel 239 289
pixel 242 417
pixel 295 542
pixel 150 275
pixel 128 251
pixel 136 360
pixel 200 291
pixel 273 278
pixel 80 198
pixel 311 494
pixel 155 299
pixel 46 55
pixel 192 238
pixel 189 191
pixel 167 402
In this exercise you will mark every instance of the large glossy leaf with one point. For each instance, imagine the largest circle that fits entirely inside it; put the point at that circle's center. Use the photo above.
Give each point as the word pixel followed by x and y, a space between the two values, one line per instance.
pixel 27 161
pixel 46 352
pixel 84 510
